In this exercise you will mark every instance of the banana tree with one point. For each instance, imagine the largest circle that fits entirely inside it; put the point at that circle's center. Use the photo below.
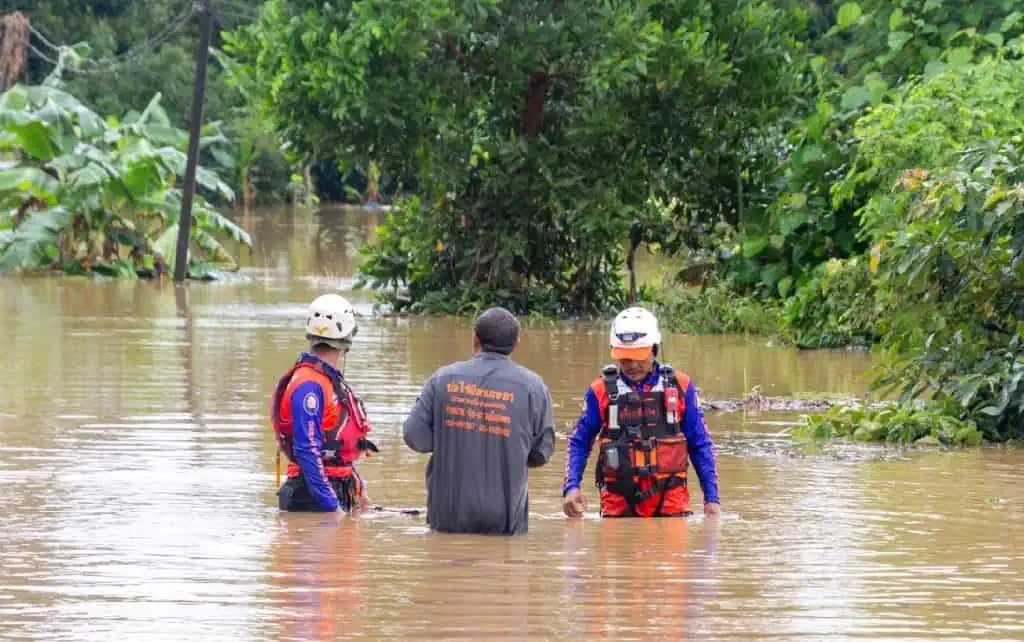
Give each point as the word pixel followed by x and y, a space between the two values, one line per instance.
pixel 81 194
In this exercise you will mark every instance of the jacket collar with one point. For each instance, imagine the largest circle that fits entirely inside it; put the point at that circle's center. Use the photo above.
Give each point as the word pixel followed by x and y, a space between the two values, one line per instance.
pixel 328 369
pixel 492 356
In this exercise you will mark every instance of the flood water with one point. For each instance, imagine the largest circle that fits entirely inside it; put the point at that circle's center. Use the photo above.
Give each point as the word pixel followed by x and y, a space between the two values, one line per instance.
pixel 137 487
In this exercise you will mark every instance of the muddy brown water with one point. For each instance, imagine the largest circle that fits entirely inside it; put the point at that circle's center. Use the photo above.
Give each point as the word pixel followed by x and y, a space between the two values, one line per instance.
pixel 137 487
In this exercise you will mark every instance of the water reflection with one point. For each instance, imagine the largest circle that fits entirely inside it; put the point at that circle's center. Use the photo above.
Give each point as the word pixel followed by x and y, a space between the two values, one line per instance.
pixel 615 587
pixel 320 582
pixel 309 243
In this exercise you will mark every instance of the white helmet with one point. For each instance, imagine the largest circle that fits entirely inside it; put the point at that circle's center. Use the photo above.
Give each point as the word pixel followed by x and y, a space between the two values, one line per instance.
pixel 331 320
pixel 634 334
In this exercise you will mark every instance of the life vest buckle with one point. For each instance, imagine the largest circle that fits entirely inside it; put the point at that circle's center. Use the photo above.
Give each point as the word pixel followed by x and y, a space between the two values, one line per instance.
pixel 647 445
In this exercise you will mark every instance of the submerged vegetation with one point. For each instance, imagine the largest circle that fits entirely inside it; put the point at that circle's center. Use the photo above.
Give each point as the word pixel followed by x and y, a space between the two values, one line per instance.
pixel 894 424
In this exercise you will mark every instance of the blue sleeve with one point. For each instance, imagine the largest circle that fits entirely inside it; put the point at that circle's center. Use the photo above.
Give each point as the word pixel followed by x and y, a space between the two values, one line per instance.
pixel 307 439
pixel 581 441
pixel 700 446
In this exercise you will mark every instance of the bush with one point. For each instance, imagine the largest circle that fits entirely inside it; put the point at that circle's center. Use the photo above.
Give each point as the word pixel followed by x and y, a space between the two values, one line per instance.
pixel 951 282
pixel 836 308
pixel 897 423
pixel 713 309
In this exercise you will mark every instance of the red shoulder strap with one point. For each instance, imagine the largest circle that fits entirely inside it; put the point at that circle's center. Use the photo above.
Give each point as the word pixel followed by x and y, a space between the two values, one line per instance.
pixel 275 400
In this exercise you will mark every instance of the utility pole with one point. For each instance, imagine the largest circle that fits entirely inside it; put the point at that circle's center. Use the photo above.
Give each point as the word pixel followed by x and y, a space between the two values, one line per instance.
pixel 189 188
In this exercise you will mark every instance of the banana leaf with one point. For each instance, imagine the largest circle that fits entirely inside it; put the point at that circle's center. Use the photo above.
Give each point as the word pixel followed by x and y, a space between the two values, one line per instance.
pixel 27 245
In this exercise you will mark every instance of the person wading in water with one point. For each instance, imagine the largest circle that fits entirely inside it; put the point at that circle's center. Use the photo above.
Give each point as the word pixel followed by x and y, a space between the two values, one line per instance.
pixel 650 426
pixel 485 421
pixel 320 424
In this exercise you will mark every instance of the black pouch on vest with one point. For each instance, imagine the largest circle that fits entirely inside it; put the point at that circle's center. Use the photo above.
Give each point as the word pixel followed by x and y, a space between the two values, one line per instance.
pixel 614 460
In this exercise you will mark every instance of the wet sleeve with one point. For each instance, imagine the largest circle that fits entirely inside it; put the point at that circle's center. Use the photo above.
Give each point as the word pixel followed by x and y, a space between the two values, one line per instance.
pixel 700 446
pixel 581 441
pixel 307 438
pixel 543 433
pixel 418 430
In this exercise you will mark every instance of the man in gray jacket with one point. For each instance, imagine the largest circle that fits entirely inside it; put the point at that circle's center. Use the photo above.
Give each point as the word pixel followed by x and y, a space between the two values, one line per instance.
pixel 486 421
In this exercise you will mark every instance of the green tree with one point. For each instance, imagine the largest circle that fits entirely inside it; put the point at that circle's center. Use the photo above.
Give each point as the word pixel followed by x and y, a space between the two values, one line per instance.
pixel 541 133
pixel 865 52
pixel 946 220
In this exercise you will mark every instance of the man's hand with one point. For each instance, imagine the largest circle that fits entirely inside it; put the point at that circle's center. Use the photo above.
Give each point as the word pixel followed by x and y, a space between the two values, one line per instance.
pixel 712 509
pixel 574 504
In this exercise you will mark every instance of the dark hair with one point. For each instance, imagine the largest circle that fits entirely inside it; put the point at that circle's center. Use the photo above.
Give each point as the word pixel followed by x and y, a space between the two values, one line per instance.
pixel 330 344
pixel 497 330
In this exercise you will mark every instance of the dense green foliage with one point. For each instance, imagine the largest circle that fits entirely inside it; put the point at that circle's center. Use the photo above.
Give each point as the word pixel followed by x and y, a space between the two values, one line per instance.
pixel 117 76
pixel 86 195
pixel 836 308
pixel 947 227
pixel 542 134
pixel 863 57
pixel 713 309
pixel 952 278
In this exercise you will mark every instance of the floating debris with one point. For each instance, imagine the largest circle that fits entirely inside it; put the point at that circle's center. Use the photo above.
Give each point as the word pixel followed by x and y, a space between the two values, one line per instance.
pixel 756 401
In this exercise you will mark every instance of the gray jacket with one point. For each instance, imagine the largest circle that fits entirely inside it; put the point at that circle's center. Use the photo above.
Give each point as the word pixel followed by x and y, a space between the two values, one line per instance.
pixel 486 421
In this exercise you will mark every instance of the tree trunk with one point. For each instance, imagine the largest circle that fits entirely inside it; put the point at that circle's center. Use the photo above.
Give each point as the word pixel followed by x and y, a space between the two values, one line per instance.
pixel 739 191
pixel 247 192
pixel 307 174
pixel 634 243
pixel 14 42
pixel 536 93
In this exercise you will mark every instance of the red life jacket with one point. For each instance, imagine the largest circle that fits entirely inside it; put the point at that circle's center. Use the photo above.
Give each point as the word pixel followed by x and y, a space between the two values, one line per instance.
pixel 643 462
pixel 343 418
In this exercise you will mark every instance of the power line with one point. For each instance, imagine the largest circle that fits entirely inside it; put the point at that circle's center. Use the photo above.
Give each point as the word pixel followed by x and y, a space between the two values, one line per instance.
pixel 113 63
pixel 32 48
pixel 237 14
pixel 43 39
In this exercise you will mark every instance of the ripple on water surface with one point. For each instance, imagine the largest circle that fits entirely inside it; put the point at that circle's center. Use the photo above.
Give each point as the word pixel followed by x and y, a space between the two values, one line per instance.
pixel 136 488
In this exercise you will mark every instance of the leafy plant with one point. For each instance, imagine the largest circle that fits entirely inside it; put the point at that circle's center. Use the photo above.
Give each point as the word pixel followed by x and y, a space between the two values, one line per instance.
pixel 951 277
pixel 867 54
pixel 929 125
pixel 906 423
pixel 836 308
pixel 84 194
pixel 714 308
